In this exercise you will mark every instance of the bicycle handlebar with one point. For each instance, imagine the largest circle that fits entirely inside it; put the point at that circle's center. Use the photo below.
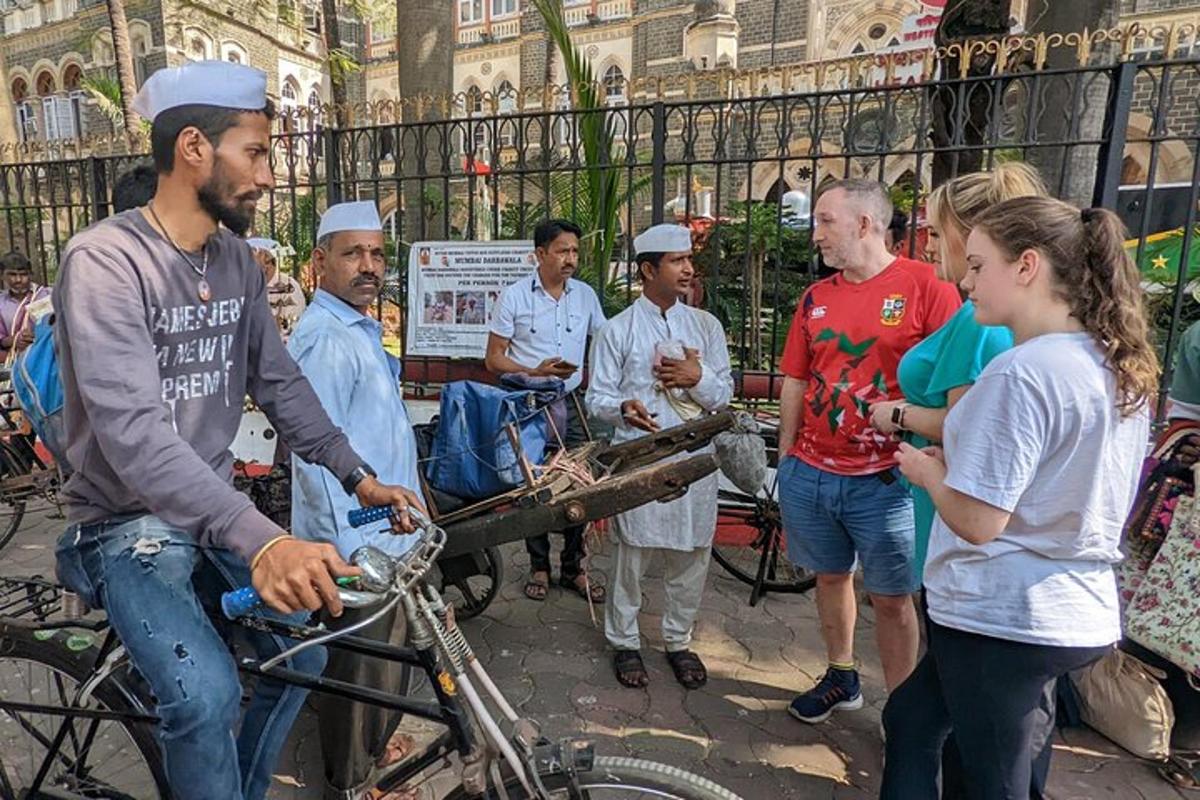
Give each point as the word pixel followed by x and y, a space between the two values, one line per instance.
pixel 240 602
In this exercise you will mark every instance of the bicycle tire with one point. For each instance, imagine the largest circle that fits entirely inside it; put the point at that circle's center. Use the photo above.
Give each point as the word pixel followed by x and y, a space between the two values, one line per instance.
pixel 661 781
pixel 11 465
pixel 57 654
pixel 472 594
pixel 799 582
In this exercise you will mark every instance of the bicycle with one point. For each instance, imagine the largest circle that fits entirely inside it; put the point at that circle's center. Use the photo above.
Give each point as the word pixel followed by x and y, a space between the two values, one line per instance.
pixel 749 541
pixel 27 473
pixel 97 739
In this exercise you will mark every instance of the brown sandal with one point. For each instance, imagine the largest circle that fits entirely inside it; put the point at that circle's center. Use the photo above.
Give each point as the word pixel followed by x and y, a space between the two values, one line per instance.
pixel 595 589
pixel 536 589
pixel 688 668
pixel 630 670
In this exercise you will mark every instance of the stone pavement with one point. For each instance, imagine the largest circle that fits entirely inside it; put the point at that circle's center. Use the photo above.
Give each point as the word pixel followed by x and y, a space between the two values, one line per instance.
pixel 552 664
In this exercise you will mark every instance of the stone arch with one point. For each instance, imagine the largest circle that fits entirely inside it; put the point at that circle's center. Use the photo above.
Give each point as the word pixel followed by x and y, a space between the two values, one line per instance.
pixel 20 74
pixel 45 81
pixel 102 50
pixel 140 33
pixel 234 51
pixel 197 44
pixel 764 175
pixel 71 77
pixel 847 31
pixel 1174 156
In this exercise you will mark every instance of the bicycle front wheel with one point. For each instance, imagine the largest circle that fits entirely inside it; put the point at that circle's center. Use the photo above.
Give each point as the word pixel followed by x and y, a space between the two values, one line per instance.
pixel 108 758
pixel 619 778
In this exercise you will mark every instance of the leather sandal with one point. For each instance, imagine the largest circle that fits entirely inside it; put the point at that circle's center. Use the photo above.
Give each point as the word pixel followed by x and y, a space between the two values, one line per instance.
pixel 688 668
pixel 630 670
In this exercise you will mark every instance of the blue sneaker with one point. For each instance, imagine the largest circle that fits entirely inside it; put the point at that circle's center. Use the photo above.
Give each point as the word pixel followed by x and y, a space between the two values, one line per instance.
pixel 838 690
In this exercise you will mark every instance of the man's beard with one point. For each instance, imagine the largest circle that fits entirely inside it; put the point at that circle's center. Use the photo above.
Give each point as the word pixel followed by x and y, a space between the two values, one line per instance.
pixel 216 198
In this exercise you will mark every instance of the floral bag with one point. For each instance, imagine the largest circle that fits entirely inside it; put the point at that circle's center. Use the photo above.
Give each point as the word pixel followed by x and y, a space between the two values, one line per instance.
pixel 1164 614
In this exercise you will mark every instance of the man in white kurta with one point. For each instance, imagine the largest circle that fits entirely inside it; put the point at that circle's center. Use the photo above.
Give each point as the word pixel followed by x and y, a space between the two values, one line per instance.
pixel 655 365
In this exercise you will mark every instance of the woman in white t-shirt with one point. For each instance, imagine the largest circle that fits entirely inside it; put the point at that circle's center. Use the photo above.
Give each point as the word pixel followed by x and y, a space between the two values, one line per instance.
pixel 1039 470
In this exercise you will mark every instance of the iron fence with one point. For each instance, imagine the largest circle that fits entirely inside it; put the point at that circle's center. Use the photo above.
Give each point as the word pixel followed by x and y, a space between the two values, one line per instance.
pixel 742 170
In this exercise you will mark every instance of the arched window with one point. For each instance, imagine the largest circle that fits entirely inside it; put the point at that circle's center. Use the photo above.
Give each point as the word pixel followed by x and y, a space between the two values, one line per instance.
pixel 614 85
pixel 506 97
pixel 506 103
pixel 26 116
pixel 199 45
pixel 72 78
pixel 288 93
pixel 234 53
pixel 474 100
pixel 314 108
pixel 45 84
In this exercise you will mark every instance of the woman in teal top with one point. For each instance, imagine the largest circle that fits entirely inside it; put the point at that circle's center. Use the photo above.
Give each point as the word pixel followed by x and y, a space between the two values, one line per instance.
pixel 936 373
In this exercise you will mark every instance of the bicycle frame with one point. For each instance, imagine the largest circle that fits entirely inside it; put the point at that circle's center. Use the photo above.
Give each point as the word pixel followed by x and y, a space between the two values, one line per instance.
pixel 447 710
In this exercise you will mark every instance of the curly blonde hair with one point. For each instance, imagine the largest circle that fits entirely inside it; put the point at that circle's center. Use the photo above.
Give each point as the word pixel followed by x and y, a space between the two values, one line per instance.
pixel 1093 275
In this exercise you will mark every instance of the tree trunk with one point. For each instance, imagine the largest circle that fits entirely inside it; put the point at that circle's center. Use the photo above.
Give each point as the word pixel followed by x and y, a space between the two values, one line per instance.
pixel 960 110
pixel 337 81
pixel 425 40
pixel 126 79
pixel 1070 172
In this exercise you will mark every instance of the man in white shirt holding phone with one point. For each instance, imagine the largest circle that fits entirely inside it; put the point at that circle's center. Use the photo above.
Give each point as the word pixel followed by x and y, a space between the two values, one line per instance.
pixel 540 327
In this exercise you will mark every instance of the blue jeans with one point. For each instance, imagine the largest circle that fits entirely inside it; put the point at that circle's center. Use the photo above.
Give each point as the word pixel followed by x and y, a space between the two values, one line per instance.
pixel 834 521
pixel 154 582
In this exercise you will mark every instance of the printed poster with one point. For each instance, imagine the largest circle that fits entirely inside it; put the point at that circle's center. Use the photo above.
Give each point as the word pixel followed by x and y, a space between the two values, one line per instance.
pixel 453 289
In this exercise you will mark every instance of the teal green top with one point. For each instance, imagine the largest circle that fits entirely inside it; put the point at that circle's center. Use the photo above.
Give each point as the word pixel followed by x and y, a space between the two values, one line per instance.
pixel 950 357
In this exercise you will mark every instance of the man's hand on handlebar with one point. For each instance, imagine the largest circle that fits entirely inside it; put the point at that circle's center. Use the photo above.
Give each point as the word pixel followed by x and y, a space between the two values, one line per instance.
pixel 371 492
pixel 295 574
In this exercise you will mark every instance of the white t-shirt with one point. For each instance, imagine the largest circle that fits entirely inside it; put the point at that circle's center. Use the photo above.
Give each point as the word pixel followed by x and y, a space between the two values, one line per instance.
pixel 1039 435
pixel 539 327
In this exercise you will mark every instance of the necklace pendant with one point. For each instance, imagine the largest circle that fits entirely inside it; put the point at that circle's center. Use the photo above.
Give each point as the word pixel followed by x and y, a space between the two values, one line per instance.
pixel 204 291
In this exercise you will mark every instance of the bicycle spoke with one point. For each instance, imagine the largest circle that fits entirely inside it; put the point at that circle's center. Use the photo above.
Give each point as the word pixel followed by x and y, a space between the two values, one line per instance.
pixel 96 758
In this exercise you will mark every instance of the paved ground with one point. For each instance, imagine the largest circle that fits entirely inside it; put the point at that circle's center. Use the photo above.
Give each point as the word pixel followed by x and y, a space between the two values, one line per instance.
pixel 551 662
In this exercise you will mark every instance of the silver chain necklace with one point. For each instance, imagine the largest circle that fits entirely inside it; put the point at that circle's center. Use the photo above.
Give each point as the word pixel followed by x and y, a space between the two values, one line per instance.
pixel 202 289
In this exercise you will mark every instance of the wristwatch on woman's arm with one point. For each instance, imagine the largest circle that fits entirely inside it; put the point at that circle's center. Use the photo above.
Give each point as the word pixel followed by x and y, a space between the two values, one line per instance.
pixel 898 415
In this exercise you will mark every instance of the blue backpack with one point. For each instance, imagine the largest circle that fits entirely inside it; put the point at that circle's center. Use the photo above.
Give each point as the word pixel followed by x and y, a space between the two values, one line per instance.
pixel 39 391
pixel 472 456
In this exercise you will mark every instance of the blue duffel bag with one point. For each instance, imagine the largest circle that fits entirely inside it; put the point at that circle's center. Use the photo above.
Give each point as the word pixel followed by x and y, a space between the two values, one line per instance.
pixel 472 456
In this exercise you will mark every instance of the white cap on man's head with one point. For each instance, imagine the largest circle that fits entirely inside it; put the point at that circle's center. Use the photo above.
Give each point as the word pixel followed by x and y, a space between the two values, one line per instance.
pixel 262 243
pixel 664 238
pixel 360 215
pixel 221 84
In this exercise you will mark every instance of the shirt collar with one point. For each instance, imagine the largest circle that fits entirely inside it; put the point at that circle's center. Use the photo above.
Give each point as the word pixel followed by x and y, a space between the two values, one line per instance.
pixel 652 307
pixel 341 310
pixel 537 284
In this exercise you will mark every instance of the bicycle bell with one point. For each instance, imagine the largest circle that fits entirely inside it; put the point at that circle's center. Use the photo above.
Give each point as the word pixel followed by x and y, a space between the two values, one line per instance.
pixel 378 569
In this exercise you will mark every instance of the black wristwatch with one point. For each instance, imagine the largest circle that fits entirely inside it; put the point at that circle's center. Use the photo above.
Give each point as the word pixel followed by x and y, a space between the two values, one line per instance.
pixel 356 477
pixel 898 415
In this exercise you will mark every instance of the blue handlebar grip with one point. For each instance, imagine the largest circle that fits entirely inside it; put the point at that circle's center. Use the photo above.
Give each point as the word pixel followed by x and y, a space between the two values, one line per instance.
pixel 240 602
pixel 362 516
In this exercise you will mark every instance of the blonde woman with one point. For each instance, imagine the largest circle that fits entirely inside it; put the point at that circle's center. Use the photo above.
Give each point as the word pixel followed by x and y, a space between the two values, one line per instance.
pixel 936 373
pixel 1040 468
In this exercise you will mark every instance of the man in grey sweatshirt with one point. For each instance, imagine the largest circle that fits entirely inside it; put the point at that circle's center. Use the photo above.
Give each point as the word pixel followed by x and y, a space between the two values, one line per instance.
pixel 163 329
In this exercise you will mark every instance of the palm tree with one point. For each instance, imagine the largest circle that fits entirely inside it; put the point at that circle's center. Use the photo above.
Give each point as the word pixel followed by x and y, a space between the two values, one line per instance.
pixel 123 52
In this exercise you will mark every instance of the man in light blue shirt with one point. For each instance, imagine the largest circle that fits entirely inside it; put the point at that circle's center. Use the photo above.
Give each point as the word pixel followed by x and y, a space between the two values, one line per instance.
pixel 340 350
pixel 540 327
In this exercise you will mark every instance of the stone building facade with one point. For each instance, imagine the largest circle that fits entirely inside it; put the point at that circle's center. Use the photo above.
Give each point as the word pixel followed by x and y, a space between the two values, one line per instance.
pixel 49 48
